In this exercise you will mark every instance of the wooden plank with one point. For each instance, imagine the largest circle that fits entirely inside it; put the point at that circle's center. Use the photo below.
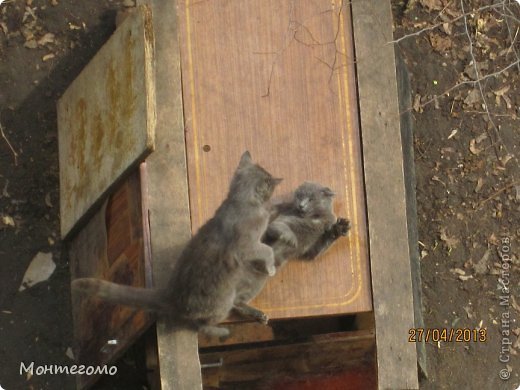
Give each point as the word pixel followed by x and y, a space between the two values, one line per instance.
pixel 106 119
pixel 110 246
pixel 170 225
pixel 405 102
pixel 386 198
pixel 290 363
pixel 279 82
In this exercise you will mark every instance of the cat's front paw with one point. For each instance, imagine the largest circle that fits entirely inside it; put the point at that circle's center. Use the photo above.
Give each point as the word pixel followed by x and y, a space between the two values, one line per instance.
pixel 341 227
pixel 263 319
pixel 289 239
pixel 271 270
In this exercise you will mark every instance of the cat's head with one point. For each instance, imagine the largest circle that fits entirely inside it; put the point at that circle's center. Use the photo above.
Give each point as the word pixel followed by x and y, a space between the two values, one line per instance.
pixel 251 182
pixel 313 199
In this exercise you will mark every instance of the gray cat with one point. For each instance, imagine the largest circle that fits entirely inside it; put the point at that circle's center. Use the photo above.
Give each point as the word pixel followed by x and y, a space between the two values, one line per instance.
pixel 302 228
pixel 202 289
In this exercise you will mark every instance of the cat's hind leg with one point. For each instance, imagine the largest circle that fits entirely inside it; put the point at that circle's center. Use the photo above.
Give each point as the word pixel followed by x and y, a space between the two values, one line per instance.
pixel 215 331
pixel 249 311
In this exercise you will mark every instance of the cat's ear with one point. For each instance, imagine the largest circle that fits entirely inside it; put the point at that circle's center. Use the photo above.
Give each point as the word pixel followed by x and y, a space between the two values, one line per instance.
pixel 276 181
pixel 245 159
pixel 327 192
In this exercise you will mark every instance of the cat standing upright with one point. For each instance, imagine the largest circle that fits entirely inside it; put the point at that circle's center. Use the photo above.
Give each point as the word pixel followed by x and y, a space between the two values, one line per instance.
pixel 202 289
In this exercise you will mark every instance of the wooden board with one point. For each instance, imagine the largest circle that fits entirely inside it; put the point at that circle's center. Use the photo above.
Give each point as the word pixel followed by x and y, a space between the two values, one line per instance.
pixel 277 78
pixel 179 365
pixel 111 246
pixel 106 118
pixel 321 362
pixel 386 196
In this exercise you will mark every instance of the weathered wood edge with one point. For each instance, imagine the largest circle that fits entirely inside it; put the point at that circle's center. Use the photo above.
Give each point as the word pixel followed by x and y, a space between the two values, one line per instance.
pixel 68 231
pixel 386 196
pixel 405 102
pixel 170 225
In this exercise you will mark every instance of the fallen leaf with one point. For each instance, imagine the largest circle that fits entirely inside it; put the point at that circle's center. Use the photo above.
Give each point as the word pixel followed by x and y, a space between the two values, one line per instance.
pixel 452 134
pixel 27 32
pixel 473 97
pixel 31 44
pixel 439 43
pixel 506 98
pixel 48 57
pixel 457 271
pixel 4 28
pixel 505 159
pixel 54 3
pixel 471 72
pixel 432 5
pixel 8 221
pixel 502 90
pixel 48 200
pixel 494 240
pixel 480 183
pixel 481 138
pixel 482 266
pixel 29 12
pixel 40 269
pixel 451 242
pixel 436 101
pixel 69 353
pixel 417 103
pixel 473 147
pixel 47 38
pixel 464 278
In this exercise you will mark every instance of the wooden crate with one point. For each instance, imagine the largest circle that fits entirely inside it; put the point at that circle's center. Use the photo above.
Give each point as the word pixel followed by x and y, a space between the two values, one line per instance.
pixel 281 79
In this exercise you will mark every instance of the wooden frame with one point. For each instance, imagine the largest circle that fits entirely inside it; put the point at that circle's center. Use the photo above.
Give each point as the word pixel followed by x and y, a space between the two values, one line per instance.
pixel 386 195
pixel 170 227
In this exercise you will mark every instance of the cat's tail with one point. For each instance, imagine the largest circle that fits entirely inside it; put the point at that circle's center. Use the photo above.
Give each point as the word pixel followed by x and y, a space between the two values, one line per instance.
pixel 142 298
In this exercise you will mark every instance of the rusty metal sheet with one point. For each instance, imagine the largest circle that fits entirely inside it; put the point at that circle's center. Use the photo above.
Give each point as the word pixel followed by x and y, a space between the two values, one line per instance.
pixel 280 82
pixel 106 118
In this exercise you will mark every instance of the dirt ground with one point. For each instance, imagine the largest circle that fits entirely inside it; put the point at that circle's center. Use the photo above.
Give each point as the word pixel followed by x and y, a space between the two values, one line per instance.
pixel 466 103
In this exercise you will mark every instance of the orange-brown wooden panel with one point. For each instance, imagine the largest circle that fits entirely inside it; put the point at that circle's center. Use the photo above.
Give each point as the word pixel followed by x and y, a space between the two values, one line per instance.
pixel 110 246
pixel 277 78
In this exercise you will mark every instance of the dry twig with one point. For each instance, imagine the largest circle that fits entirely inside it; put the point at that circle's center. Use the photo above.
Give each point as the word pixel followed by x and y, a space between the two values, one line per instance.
pixel 15 155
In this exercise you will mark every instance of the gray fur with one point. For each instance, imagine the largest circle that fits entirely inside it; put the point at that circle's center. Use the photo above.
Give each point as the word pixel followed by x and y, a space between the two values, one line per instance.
pixel 202 289
pixel 302 228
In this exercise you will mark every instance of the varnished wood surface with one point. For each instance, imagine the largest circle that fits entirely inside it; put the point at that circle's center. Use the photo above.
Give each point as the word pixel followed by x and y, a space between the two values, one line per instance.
pixel 277 78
